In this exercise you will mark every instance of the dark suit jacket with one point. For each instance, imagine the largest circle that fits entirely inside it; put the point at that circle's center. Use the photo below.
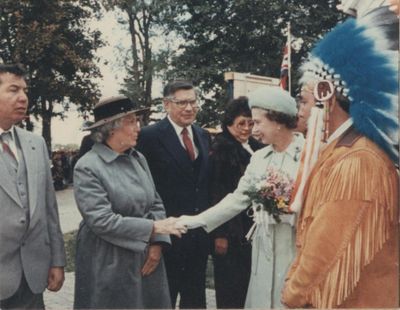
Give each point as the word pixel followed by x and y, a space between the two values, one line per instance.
pixel 183 187
pixel 172 170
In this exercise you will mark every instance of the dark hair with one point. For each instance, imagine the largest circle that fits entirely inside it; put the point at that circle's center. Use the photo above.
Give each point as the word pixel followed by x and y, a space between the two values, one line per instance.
pixel 343 101
pixel 289 121
pixel 236 107
pixel 173 86
pixel 16 69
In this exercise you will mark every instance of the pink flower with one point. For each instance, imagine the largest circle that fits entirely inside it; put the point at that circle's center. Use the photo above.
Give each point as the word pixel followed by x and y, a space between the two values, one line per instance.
pixel 273 192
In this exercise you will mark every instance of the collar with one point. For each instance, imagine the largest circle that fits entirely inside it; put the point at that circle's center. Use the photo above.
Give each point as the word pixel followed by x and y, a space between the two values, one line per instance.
pixel 227 135
pixel 11 131
pixel 340 130
pixel 293 149
pixel 245 143
pixel 108 154
pixel 178 129
pixel 349 137
pixel 247 147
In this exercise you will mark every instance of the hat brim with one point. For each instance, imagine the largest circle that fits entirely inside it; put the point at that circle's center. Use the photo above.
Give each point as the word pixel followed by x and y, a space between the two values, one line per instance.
pixel 115 117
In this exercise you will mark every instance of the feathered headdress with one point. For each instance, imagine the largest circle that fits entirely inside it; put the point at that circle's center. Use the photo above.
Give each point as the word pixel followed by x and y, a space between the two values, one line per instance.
pixel 358 57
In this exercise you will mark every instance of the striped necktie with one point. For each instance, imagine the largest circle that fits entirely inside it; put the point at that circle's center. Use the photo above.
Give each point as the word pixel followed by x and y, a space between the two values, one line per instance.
pixel 5 138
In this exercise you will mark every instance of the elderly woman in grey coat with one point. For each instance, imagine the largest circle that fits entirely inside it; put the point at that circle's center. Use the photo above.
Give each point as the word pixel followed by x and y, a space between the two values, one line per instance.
pixel 119 244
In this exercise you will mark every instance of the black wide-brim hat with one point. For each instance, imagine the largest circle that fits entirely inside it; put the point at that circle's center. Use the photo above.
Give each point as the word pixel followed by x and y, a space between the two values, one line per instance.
pixel 112 108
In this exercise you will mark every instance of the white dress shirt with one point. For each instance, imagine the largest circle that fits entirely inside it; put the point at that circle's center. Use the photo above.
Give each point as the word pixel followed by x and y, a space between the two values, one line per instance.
pixel 11 141
pixel 340 130
pixel 178 130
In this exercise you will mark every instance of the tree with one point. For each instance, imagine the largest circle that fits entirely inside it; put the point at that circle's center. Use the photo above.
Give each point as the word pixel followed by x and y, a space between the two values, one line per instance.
pixel 51 39
pixel 243 36
pixel 144 20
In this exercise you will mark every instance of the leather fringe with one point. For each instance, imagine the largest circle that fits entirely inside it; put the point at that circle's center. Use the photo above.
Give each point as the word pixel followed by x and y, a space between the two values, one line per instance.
pixel 370 233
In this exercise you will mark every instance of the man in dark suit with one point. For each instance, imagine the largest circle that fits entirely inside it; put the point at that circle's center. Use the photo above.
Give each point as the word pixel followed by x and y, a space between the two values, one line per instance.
pixel 32 249
pixel 177 153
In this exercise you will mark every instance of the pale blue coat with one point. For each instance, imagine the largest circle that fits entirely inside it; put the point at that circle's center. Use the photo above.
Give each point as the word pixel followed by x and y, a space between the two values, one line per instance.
pixel 273 244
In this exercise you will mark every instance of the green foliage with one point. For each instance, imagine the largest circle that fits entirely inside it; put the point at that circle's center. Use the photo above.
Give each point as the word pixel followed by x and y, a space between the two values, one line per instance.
pixel 51 39
pixel 242 36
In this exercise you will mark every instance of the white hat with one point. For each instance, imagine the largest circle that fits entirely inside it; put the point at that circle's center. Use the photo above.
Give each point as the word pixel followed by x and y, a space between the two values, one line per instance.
pixel 273 98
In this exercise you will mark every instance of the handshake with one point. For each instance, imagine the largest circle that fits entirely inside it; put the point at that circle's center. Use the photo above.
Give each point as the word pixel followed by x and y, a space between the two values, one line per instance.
pixel 178 225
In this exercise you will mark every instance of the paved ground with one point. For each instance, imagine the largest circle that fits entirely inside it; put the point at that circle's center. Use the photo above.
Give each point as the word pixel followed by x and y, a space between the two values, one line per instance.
pixel 69 214
pixel 70 218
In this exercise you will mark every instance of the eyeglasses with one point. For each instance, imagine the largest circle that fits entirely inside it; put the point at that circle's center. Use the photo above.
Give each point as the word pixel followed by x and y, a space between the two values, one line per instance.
pixel 182 104
pixel 245 123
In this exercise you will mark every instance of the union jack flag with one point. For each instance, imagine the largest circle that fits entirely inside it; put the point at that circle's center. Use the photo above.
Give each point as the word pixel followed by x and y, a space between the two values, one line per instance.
pixel 285 67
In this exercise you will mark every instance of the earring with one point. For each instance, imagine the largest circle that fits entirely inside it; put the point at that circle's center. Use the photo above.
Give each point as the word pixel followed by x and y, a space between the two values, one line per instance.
pixel 278 128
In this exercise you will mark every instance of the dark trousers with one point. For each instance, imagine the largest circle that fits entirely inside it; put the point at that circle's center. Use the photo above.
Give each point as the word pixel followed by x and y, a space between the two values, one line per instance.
pixel 186 264
pixel 23 298
pixel 232 275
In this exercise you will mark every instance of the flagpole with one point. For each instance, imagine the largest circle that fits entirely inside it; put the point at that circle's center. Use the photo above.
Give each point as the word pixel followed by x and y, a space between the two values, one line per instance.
pixel 289 60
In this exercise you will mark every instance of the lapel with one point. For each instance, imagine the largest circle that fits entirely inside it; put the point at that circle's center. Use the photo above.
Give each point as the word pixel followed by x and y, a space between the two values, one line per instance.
pixel 171 143
pixel 31 158
pixel 5 182
pixel 203 146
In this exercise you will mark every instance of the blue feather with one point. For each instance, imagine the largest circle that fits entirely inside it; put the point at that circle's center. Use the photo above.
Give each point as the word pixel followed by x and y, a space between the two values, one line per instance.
pixel 371 78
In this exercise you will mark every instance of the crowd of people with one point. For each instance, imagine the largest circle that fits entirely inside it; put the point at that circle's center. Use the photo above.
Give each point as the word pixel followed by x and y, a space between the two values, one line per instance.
pixel 305 217
pixel 62 166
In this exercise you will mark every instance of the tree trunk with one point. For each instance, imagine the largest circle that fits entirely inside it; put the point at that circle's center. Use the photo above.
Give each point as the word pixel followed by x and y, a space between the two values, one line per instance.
pixel 147 63
pixel 46 122
pixel 132 30
pixel 29 125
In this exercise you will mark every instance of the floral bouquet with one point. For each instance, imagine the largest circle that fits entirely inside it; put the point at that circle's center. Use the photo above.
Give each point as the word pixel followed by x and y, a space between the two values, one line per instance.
pixel 273 193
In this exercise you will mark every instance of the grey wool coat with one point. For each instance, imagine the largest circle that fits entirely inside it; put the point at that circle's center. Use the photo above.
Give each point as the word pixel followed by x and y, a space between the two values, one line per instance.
pixel 116 196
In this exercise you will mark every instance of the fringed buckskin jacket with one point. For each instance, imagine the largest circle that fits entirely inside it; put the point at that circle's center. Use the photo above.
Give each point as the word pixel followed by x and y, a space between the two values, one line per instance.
pixel 347 232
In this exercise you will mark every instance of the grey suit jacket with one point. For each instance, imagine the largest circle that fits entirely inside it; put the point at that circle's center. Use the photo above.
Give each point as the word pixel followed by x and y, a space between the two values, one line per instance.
pixel 34 249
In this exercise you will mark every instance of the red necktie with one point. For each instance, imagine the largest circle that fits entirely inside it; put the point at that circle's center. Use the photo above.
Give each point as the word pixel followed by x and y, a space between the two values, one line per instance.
pixel 188 144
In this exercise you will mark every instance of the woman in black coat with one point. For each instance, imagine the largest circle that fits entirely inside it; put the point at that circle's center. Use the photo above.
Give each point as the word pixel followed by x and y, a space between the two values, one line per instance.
pixel 230 155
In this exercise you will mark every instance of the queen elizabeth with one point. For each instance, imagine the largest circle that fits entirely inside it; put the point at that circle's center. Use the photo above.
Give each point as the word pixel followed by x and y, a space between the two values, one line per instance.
pixel 274 113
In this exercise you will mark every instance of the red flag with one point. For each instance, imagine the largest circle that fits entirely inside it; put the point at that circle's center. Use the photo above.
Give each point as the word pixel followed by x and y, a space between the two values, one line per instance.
pixel 285 67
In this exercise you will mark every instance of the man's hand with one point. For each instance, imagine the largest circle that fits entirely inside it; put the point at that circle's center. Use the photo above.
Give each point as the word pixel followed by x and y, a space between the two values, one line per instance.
pixel 291 301
pixel 153 258
pixel 55 278
pixel 221 246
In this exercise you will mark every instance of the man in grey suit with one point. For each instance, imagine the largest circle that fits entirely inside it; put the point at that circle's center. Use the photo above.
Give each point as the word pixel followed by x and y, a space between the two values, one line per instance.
pixel 32 250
